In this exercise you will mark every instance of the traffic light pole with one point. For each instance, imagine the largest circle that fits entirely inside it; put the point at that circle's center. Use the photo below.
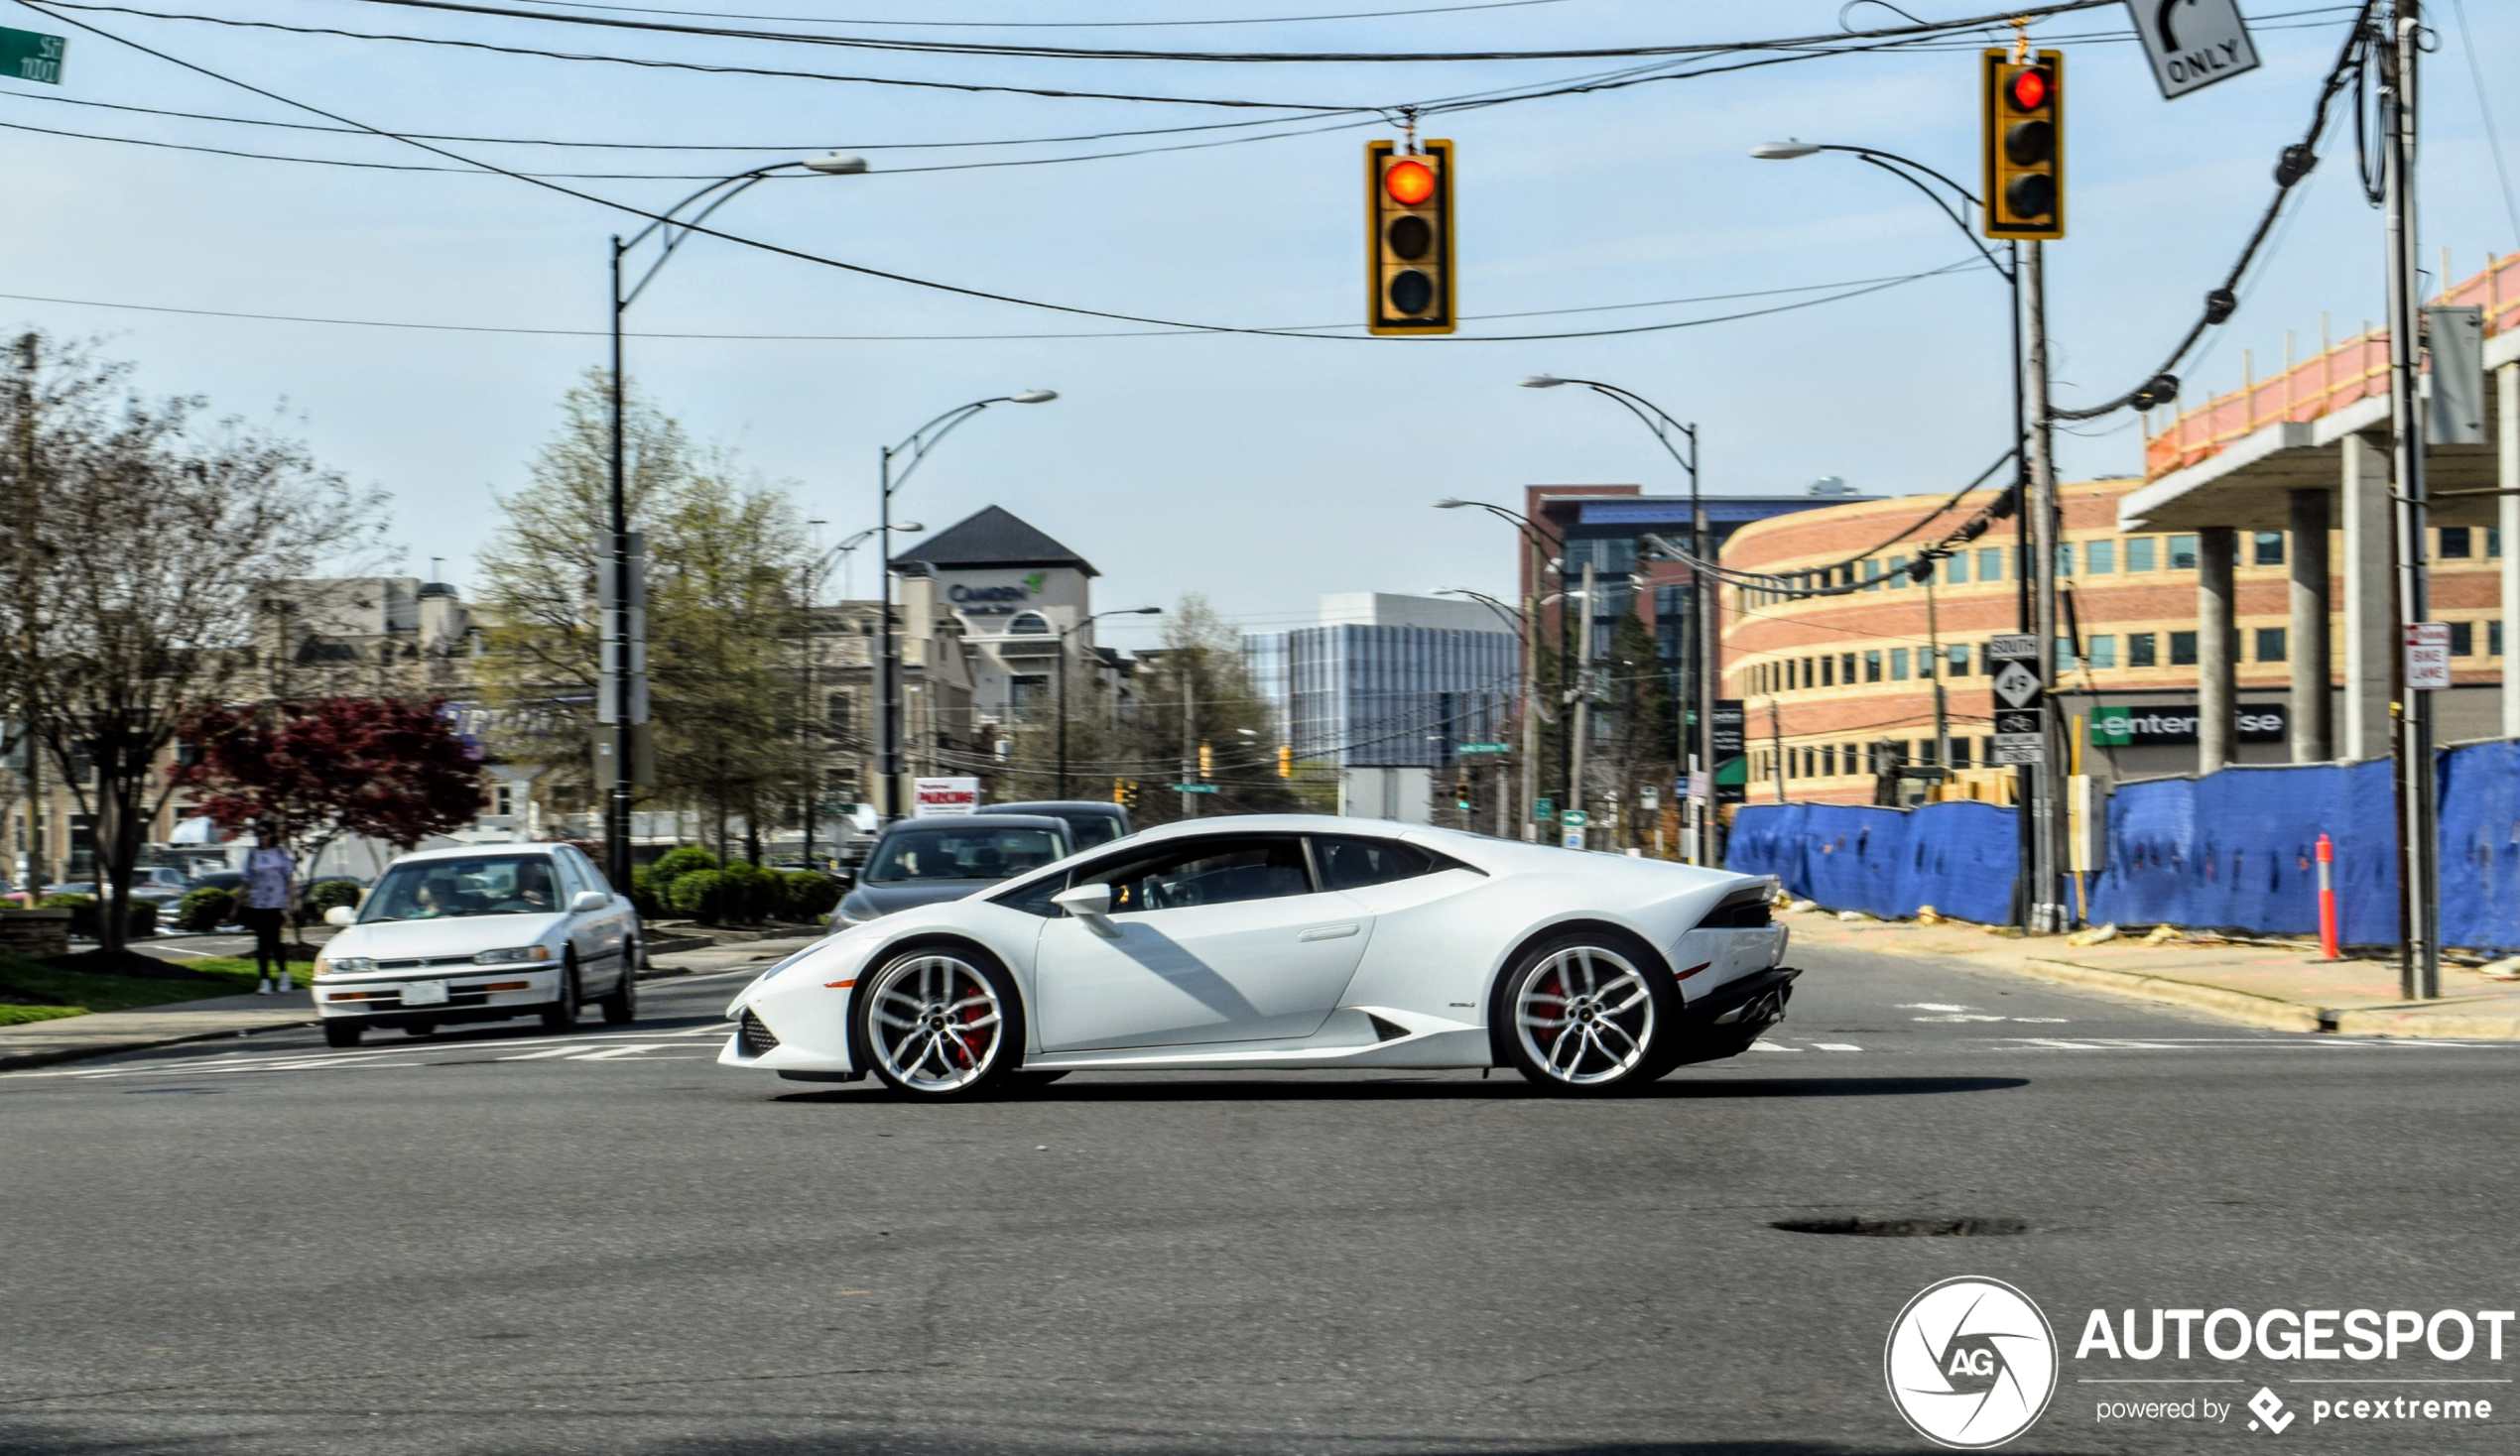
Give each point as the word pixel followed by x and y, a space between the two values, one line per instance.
pixel 2419 951
pixel 2040 529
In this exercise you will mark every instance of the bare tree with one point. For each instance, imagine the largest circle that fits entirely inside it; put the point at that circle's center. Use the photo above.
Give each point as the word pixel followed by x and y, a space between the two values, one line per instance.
pixel 135 561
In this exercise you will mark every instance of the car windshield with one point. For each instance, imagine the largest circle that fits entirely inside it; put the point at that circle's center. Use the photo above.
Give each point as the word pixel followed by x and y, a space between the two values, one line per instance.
pixel 490 885
pixel 945 852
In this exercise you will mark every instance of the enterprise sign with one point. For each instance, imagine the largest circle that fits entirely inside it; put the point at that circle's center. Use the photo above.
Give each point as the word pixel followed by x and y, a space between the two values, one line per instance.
pixel 2176 723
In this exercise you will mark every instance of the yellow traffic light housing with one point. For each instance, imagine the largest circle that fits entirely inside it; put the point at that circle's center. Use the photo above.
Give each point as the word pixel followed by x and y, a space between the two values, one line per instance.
pixel 1408 238
pixel 1286 760
pixel 2023 144
pixel 1207 761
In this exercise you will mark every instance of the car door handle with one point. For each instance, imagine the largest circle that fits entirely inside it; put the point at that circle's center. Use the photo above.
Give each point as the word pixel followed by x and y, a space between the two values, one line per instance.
pixel 1329 932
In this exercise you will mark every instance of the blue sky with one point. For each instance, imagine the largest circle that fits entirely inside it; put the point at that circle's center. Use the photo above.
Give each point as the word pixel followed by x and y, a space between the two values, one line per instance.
pixel 1261 472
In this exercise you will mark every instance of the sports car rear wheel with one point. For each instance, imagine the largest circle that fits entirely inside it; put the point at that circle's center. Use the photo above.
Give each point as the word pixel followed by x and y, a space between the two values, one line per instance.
pixel 940 1021
pixel 1591 1014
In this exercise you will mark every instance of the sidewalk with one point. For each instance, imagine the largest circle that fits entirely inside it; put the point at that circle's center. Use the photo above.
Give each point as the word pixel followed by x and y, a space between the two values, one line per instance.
pixel 105 1032
pixel 2256 985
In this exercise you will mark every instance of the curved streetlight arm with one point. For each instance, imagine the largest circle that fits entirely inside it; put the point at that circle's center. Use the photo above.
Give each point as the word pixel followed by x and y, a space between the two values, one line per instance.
pixel 1530 529
pixel 676 232
pixel 1903 169
pixel 925 438
pixel 1503 612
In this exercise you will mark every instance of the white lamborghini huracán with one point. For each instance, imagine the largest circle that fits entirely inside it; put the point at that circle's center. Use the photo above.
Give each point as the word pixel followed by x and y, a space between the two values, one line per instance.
pixel 1294 941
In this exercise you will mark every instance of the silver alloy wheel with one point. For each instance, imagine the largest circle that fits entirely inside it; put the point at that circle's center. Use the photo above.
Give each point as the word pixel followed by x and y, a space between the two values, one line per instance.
pixel 934 1023
pixel 1586 1015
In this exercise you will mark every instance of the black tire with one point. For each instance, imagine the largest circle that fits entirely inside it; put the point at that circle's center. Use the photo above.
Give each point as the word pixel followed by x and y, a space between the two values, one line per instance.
pixel 561 1015
pixel 420 1029
pixel 342 1034
pixel 1624 1028
pixel 622 1004
pixel 938 1023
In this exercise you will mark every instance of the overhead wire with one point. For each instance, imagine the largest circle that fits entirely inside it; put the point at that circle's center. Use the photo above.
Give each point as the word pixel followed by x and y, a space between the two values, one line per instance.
pixel 1061 25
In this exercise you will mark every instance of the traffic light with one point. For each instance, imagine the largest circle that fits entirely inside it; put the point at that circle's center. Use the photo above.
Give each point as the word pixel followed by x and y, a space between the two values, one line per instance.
pixel 1124 793
pixel 1408 238
pixel 2024 144
pixel 1207 761
pixel 1286 760
pixel 1461 792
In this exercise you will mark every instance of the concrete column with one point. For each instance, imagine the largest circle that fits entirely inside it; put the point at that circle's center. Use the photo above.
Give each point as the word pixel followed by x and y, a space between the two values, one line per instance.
pixel 2507 476
pixel 2363 505
pixel 2310 648
pixel 2218 648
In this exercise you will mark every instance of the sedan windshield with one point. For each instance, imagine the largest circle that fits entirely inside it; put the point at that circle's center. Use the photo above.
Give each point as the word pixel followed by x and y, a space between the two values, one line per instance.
pixel 490 885
pixel 960 854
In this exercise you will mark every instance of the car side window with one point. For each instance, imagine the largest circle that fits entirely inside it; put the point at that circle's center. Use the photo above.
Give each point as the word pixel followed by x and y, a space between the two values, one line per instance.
pixel 1219 869
pixel 1350 862
pixel 572 876
pixel 589 873
pixel 1034 898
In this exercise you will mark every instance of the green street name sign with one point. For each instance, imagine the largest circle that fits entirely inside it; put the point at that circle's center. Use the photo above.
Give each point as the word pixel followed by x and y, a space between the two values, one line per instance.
pixel 1194 789
pixel 32 56
pixel 1482 748
pixel 1574 818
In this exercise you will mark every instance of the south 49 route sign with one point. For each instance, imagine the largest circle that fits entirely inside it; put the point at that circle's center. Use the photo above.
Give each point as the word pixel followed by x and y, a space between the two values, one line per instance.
pixel 32 56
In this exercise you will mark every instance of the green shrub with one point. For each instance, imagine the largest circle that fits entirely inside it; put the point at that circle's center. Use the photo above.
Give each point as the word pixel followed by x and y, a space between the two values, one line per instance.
pixel 83 914
pixel 326 894
pixel 752 894
pixel 700 894
pixel 64 902
pixel 643 894
pixel 206 909
pixel 809 897
pixel 674 864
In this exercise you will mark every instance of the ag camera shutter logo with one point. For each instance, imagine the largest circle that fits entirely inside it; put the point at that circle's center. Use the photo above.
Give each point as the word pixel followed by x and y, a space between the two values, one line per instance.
pixel 1972 1363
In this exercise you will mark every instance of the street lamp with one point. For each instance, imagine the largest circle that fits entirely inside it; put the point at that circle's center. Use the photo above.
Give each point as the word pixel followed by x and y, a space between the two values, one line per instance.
pixel 1063 680
pixel 621 667
pixel 1698 676
pixel 914 449
pixel 805 730
pixel 1530 626
pixel 2038 850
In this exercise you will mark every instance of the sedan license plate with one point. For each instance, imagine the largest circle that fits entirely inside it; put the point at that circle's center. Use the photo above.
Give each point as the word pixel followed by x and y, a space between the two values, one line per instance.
pixel 425 993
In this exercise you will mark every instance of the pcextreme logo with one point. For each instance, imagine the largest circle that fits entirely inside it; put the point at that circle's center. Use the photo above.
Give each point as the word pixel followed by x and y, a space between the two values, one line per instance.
pixel 1972 1363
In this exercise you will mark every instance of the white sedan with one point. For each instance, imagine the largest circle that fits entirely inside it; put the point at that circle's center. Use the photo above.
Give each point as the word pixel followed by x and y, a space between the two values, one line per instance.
pixel 480 933
pixel 1294 941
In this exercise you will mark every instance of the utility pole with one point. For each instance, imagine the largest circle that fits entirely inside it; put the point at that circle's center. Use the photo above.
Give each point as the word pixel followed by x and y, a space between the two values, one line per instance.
pixel 2040 530
pixel 30 511
pixel 2419 951
pixel 1705 599
pixel 1775 746
pixel 805 730
pixel 1531 701
pixel 1189 739
pixel 1581 722
pixel 1934 651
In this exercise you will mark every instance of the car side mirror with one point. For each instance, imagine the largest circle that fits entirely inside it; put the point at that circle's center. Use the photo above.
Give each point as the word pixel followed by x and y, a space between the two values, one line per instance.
pixel 588 902
pixel 1090 904
pixel 341 915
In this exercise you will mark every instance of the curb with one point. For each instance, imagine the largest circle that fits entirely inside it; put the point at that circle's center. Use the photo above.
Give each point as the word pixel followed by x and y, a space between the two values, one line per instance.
pixel 2240 1006
pixel 13 1061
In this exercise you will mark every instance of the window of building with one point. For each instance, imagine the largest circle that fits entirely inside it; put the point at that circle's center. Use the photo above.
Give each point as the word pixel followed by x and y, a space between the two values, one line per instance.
pixel 1990 563
pixel 2139 553
pixel 837 716
pixel 2493 542
pixel 2064 656
pixel 503 800
pixel 1028 624
pixel 1827 672
pixel 1898 573
pixel 2183 554
pixel 1956 569
pixel 1828 760
pixel 1847 669
pixel 2456 542
pixel 1958 655
pixel 1898 665
pixel 2099 558
pixel 2270 547
pixel 2270 644
pixel 2183 649
pixel 1872 576
pixel 1872 667
pixel 2065 559
pixel 2493 638
pixel 2462 639
pixel 2100 652
pixel 2139 650
pixel 1027 695
pixel 1959 752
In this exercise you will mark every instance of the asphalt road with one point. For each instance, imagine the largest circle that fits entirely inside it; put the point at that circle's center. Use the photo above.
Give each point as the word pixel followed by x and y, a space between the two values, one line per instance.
pixel 504 1241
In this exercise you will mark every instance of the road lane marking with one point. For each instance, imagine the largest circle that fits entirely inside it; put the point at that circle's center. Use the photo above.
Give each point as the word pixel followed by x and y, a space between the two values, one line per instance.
pixel 1837 1047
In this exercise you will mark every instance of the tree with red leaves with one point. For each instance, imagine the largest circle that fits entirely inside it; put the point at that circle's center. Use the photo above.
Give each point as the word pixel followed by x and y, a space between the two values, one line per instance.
pixel 330 766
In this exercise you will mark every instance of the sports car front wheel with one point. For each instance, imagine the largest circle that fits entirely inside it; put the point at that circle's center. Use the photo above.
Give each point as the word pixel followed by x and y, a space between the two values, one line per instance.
pixel 1589 1015
pixel 940 1021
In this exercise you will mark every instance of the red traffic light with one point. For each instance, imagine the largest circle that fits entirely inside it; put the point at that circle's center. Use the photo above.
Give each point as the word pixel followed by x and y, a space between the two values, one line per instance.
pixel 1409 182
pixel 2028 88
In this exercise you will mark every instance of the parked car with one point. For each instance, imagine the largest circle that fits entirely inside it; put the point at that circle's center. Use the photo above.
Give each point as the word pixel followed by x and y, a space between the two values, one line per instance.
pixel 1287 941
pixel 480 933
pixel 1090 822
pixel 917 862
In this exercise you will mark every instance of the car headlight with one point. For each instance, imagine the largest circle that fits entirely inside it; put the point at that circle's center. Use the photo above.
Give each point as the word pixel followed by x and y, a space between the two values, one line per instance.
pixel 348 965
pixel 503 957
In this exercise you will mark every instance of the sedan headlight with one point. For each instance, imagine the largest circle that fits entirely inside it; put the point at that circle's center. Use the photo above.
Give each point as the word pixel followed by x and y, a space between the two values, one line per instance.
pixel 503 957
pixel 348 965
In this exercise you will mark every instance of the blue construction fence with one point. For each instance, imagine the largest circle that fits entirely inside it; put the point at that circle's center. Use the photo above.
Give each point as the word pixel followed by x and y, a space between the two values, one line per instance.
pixel 2232 850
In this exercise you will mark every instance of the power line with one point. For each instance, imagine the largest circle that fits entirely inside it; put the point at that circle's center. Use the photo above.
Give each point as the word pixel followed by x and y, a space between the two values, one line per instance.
pixel 1060 25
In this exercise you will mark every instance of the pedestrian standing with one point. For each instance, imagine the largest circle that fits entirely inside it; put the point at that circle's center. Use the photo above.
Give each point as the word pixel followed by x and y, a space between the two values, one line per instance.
pixel 269 872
